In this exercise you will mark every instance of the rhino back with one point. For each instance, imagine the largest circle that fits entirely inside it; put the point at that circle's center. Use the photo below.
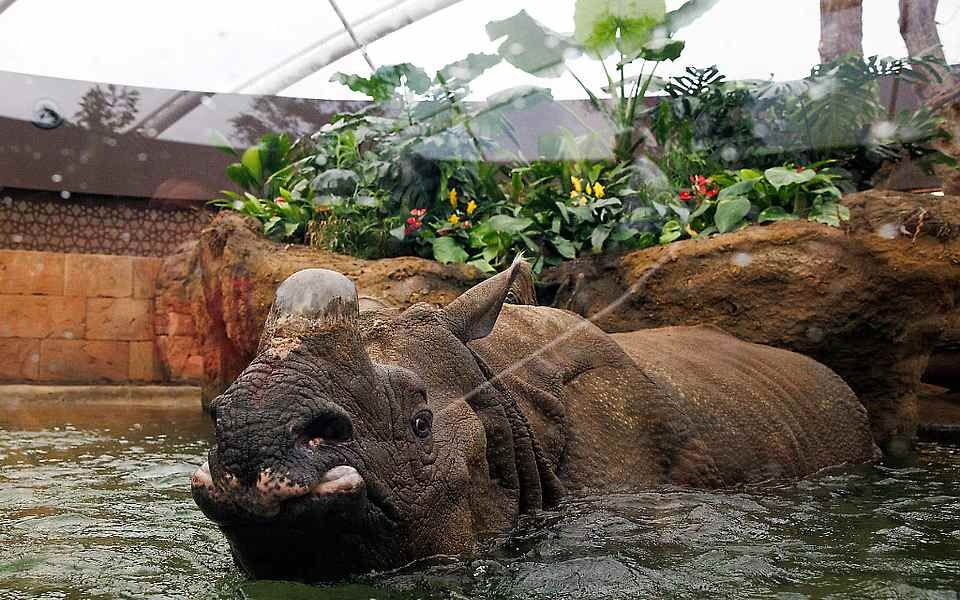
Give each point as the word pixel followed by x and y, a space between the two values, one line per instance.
pixel 601 422
pixel 761 411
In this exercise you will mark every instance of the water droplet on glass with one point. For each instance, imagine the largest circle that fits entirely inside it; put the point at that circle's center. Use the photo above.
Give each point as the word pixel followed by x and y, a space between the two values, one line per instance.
pixel 551 41
pixel 729 154
pixel 125 236
pixel 68 335
pixel 37 155
pixel 742 259
pixel 65 195
pixel 7 201
pixel 34 358
pixel 142 157
pixel 570 54
pixel 888 231
pixel 56 178
pixel 516 48
pixel 209 103
pixel 46 114
pixel 815 334
pixel 151 132
pixel 17 238
pixel 110 141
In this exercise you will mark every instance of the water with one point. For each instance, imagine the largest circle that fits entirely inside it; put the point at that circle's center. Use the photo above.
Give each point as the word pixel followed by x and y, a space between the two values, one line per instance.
pixel 95 503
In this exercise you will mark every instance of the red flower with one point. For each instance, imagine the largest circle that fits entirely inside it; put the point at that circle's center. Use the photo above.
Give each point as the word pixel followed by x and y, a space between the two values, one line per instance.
pixel 686 195
pixel 418 212
pixel 279 200
pixel 411 221
pixel 466 225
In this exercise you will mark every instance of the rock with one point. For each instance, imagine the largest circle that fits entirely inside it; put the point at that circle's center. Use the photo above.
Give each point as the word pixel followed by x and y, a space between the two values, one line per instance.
pixel 228 279
pixel 869 300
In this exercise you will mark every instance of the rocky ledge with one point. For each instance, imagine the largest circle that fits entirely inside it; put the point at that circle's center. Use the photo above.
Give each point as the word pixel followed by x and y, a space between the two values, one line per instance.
pixel 873 300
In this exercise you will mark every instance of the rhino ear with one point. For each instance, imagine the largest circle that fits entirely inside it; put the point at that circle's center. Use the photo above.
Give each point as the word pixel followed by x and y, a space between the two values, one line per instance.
pixel 474 313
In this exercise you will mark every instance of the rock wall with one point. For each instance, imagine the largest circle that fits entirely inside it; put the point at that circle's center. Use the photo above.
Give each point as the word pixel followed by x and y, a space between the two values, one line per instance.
pixel 221 289
pixel 870 300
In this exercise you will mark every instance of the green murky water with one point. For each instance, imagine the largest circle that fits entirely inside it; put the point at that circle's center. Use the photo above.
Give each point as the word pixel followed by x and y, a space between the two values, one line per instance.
pixel 95 503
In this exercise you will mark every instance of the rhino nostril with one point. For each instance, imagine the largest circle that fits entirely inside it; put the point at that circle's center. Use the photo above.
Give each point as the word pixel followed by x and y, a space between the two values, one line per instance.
pixel 329 427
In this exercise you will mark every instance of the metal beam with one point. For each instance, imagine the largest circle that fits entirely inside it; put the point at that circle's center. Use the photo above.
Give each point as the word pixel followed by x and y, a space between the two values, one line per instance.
pixel 5 4
pixel 303 63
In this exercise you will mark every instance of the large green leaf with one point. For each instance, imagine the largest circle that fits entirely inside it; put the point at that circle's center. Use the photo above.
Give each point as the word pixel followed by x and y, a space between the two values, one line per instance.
pixel 738 189
pixel 564 246
pixel 781 176
pixel 598 237
pixel 381 85
pixel 603 26
pixel 468 69
pixel 730 212
pixel 508 224
pixel 530 46
pixel 251 162
pixel 672 230
pixel 667 50
pixel 775 213
pixel 447 250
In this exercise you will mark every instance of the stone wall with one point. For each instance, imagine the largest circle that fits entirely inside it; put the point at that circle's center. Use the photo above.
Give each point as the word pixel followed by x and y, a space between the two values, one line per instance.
pixel 82 318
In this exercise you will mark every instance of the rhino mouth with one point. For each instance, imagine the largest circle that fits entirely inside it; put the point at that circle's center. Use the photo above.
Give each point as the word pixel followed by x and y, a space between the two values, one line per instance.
pixel 275 498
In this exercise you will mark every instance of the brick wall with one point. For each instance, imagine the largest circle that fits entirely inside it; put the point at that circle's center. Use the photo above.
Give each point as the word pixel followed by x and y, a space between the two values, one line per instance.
pixel 80 318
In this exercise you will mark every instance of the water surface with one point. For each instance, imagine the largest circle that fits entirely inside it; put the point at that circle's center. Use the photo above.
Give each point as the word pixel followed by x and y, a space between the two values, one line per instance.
pixel 95 503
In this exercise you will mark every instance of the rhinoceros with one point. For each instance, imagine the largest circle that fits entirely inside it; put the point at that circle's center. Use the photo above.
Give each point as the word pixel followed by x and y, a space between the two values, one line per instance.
pixel 359 441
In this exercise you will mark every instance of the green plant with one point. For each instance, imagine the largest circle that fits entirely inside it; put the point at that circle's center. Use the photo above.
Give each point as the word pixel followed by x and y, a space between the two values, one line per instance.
pixel 731 199
pixel 635 32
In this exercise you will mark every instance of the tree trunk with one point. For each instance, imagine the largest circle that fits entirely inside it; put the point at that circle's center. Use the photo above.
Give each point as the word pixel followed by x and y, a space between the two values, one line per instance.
pixel 841 29
pixel 918 27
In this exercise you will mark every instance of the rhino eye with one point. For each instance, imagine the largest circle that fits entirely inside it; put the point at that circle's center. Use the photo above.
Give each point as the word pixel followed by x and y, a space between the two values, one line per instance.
pixel 422 423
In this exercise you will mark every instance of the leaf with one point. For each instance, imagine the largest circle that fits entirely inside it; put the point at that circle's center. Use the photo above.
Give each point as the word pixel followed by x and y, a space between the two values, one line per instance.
pixel 564 246
pixel 467 69
pixel 690 11
pixel 739 188
pixel 598 237
pixel 602 26
pixel 775 213
pixel 670 50
pixel 381 85
pixel 290 228
pixel 508 224
pixel 482 265
pixel 530 46
pixel 399 231
pixel 447 250
pixel 730 211
pixel 251 162
pixel 782 176
pixel 671 231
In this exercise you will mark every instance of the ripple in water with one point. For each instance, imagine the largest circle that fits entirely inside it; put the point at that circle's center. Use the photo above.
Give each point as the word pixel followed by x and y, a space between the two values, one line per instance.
pixel 95 502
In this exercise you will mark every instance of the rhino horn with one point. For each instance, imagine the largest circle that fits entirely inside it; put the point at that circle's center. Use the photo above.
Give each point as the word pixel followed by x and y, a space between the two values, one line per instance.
pixel 311 300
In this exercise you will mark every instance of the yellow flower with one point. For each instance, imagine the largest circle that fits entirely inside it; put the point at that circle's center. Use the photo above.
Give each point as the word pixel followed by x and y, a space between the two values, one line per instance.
pixel 453 198
pixel 583 200
pixel 454 219
pixel 598 190
pixel 574 194
pixel 471 206
pixel 589 189
pixel 577 184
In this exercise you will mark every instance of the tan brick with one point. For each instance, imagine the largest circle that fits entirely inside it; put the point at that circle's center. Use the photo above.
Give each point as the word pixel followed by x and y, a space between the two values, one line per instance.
pixel 41 317
pixel 119 319
pixel 97 276
pixel 84 361
pixel 145 276
pixel 143 364
pixel 19 359
pixel 23 272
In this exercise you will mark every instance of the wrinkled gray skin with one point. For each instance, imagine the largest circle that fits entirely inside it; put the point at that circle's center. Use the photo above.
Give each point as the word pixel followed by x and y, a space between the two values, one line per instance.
pixel 358 442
